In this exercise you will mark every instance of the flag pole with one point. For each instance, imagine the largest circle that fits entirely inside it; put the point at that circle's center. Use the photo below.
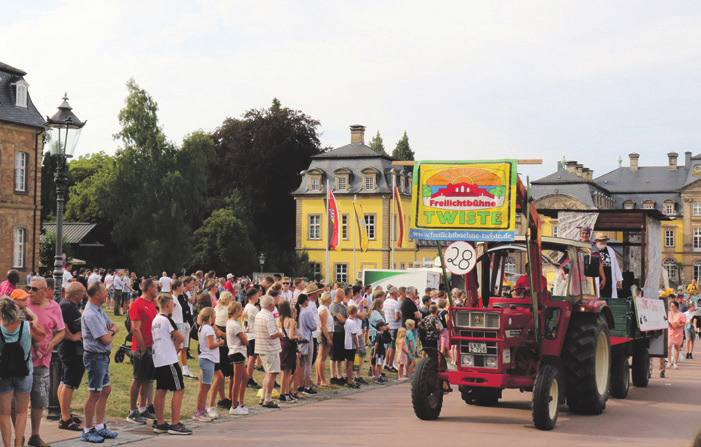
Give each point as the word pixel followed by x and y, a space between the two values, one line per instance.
pixel 355 230
pixel 394 180
pixel 328 265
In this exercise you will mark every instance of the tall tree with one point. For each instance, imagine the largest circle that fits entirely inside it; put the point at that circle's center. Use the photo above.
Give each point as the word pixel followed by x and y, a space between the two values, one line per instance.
pixel 377 143
pixel 403 150
pixel 261 155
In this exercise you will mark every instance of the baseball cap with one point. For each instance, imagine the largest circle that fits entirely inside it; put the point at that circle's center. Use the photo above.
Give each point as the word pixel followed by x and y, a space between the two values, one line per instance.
pixel 19 294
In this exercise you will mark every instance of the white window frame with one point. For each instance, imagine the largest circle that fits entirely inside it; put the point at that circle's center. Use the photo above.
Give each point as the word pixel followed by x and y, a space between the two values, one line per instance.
pixel 314 227
pixel 697 270
pixel 649 205
pixel 18 248
pixel 21 163
pixel 370 226
pixel 670 265
pixel 21 90
pixel 344 226
pixel 341 183
pixel 669 208
pixel 316 269
pixel 510 266
pixel 369 182
pixel 315 183
pixel 697 239
pixel 669 238
pixel 341 273
pixel 696 209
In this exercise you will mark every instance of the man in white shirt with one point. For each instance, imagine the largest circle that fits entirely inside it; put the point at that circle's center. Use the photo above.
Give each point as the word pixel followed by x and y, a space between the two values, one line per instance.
pixel 165 283
pixel 67 275
pixel 118 286
pixel 94 276
pixel 393 316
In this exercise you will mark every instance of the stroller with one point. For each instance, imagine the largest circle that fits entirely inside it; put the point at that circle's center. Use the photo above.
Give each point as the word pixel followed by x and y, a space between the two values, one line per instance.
pixel 124 348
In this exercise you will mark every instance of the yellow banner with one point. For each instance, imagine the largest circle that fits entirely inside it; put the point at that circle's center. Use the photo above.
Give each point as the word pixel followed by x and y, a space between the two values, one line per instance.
pixel 464 200
pixel 362 229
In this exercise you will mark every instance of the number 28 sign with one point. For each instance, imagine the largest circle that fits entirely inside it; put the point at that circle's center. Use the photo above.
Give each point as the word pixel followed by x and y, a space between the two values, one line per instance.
pixel 460 258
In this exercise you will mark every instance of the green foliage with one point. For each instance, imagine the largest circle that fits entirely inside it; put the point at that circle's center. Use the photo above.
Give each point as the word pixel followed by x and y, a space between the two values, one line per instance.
pixel 403 150
pixel 261 155
pixel 426 191
pixel 303 266
pixel 377 143
pixel 93 176
pixel 47 248
pixel 498 191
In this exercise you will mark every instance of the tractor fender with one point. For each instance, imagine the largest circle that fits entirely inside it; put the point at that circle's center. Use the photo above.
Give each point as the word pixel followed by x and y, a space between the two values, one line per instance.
pixel 440 358
pixel 556 362
pixel 597 307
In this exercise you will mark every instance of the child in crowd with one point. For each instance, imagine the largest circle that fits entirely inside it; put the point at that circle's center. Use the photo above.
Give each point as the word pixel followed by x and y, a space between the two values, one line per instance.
pixel 221 316
pixel 378 353
pixel 351 344
pixel 288 355
pixel 237 343
pixel 209 357
pixel 411 346
pixel 403 350
pixel 167 373
pixel 444 343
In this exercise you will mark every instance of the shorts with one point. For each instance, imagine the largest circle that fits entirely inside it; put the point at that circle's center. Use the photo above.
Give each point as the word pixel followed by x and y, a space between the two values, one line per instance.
pixel 323 341
pixel 237 358
pixel 207 371
pixel 689 333
pixel 305 364
pixel 142 365
pixel 271 363
pixel 225 365
pixel 393 344
pixel 72 370
pixel 184 329
pixel 339 347
pixel 378 360
pixel 40 387
pixel 445 339
pixel 431 344
pixel 20 385
pixel 98 367
pixel 169 377
pixel 251 348
pixel 349 354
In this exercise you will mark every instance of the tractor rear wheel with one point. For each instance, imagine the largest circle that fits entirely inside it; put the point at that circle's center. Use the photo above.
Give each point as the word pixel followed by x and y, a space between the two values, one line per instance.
pixel 586 355
pixel 427 390
pixel 620 376
pixel 545 404
pixel 641 367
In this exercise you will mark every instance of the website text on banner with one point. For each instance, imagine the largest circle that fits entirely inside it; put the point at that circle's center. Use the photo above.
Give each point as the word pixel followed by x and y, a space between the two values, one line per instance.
pixel 464 200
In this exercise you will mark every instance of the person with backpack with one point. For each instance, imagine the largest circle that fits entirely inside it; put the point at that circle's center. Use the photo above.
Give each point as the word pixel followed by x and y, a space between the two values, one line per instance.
pixel 15 369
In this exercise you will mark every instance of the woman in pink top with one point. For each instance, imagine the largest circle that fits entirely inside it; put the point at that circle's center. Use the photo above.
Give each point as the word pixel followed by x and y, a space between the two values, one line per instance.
pixel 676 332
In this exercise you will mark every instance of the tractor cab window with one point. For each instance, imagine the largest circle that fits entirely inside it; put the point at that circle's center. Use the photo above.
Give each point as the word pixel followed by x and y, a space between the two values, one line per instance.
pixel 572 280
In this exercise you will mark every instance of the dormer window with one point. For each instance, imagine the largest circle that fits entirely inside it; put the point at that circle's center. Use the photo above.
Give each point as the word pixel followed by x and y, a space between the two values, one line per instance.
pixel 649 204
pixel 314 183
pixel 669 207
pixel 341 183
pixel 21 93
pixel 369 181
pixel 370 178
pixel 343 176
pixel 628 205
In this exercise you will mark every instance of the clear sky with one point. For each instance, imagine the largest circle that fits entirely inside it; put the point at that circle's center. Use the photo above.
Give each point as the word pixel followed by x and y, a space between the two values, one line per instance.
pixel 467 79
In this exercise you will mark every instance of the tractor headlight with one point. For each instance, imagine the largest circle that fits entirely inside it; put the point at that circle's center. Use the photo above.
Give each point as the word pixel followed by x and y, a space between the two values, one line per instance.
pixel 467 360
pixel 491 362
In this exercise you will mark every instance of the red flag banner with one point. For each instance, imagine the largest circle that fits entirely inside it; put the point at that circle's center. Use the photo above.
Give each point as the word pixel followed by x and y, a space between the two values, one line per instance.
pixel 400 217
pixel 335 219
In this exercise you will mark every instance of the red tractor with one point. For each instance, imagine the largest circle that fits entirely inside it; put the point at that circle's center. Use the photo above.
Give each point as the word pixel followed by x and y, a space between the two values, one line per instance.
pixel 556 345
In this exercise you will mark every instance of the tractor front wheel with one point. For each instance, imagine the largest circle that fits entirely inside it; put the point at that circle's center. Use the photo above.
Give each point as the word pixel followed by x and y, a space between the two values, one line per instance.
pixel 545 404
pixel 427 390
pixel 586 355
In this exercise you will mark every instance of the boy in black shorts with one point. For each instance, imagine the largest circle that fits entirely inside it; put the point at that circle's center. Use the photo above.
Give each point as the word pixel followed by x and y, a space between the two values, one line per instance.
pixel 167 373
pixel 378 353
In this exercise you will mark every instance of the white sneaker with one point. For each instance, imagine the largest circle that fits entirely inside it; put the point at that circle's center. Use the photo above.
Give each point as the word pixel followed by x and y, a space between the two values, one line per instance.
pixel 238 410
pixel 212 413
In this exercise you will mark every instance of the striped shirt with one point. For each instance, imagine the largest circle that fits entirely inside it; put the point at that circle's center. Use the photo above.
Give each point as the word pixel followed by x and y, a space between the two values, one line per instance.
pixel 264 329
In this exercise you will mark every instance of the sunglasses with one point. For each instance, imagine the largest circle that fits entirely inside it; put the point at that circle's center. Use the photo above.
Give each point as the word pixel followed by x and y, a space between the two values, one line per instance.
pixel 36 289
pixel 285 284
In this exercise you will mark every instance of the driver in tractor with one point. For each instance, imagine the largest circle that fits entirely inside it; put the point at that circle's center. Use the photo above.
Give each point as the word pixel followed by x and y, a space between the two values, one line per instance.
pixel 523 285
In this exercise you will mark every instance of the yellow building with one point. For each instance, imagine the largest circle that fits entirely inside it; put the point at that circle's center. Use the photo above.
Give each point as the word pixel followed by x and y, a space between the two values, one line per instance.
pixel 356 172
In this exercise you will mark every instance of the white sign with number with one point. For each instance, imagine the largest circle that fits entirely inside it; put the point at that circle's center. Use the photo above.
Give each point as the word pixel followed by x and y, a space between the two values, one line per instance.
pixel 651 314
pixel 460 257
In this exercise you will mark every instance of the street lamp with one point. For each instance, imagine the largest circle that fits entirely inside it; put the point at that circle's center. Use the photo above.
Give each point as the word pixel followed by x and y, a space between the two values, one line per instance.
pixel 64 132
pixel 261 259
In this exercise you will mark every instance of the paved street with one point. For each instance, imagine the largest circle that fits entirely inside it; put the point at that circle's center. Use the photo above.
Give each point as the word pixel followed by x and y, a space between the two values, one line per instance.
pixel 667 413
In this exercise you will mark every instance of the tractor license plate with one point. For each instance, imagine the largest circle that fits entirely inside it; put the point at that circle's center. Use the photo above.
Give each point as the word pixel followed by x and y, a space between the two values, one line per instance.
pixel 478 348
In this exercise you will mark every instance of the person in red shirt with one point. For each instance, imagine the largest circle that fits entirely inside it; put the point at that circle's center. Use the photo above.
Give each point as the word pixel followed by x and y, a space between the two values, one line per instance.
pixel 9 286
pixel 524 283
pixel 141 313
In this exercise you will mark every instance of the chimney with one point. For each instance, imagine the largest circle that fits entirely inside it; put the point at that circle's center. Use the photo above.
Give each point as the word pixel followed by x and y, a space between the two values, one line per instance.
pixel 572 167
pixel 634 161
pixel 587 174
pixel 672 160
pixel 687 159
pixel 590 175
pixel 580 168
pixel 357 133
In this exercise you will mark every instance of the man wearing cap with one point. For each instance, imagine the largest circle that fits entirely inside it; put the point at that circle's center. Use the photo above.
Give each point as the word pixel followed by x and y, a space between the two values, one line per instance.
pixel 609 263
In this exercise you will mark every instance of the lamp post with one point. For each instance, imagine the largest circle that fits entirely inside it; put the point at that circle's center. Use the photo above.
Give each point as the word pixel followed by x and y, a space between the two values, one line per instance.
pixel 64 131
pixel 261 259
